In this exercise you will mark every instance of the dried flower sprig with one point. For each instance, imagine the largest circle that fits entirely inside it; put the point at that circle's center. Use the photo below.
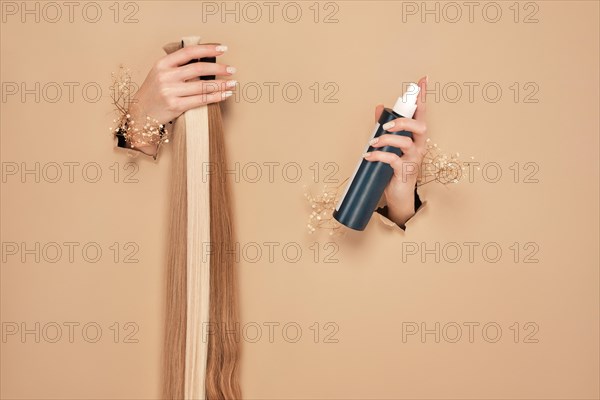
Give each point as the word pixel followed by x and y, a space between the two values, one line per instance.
pixel 441 167
pixel 121 89
pixel 321 209
pixel 135 134
pixel 436 166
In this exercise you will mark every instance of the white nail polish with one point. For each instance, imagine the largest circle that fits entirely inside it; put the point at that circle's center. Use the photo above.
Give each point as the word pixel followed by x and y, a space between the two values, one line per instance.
pixel 227 94
pixel 231 70
pixel 231 83
pixel 389 125
pixel 221 48
pixel 373 141
pixel 367 154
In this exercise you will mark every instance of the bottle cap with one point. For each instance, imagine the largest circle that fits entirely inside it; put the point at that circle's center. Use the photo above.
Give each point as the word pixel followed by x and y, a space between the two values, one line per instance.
pixel 406 105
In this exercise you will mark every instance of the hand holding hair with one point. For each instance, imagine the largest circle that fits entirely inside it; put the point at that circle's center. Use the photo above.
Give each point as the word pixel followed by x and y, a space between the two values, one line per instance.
pixel 168 90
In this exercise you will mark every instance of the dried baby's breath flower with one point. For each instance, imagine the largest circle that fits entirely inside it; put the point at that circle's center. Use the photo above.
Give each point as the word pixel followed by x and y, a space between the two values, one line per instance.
pixel 140 133
pixel 437 166
pixel 441 167
pixel 322 206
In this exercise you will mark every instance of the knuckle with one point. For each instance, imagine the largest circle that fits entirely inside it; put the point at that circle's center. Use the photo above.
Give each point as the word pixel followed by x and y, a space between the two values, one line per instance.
pixel 395 162
pixel 198 68
pixel 188 52
pixel 211 98
pixel 391 157
pixel 404 141
pixel 162 77
pixel 384 139
pixel 164 92
pixel 172 104
pixel 160 64
pixel 210 87
pixel 402 124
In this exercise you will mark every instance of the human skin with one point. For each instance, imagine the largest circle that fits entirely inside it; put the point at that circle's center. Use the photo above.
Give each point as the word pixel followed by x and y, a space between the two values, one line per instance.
pixel 399 193
pixel 170 88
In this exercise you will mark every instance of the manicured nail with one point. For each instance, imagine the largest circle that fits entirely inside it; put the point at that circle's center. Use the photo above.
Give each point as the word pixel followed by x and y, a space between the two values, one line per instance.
pixel 366 155
pixel 231 83
pixel 373 141
pixel 221 48
pixel 231 70
pixel 227 94
pixel 426 78
pixel 389 125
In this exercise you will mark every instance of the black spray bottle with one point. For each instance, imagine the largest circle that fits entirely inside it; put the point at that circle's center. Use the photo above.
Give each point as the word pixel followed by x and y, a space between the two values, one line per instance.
pixel 370 178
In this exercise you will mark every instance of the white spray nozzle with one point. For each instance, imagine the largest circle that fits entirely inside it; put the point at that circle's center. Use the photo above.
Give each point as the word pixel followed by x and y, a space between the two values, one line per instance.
pixel 406 105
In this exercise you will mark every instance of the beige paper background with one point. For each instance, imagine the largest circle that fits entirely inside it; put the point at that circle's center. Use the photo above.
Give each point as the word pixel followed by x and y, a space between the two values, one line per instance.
pixel 369 292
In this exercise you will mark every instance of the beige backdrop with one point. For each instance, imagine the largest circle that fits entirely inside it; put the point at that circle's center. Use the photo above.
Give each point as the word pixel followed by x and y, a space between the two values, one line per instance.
pixel 365 315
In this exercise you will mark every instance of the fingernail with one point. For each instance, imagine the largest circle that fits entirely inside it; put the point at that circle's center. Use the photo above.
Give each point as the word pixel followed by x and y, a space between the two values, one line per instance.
pixel 388 125
pixel 221 48
pixel 373 141
pixel 426 78
pixel 231 70
pixel 227 94
pixel 366 155
pixel 231 83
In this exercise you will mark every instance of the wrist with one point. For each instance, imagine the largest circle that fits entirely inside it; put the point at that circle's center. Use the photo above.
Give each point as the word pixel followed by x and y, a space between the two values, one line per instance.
pixel 136 133
pixel 401 202
pixel 401 213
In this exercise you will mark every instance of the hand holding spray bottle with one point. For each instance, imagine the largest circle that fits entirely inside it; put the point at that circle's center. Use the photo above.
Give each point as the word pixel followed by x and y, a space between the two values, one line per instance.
pixel 370 179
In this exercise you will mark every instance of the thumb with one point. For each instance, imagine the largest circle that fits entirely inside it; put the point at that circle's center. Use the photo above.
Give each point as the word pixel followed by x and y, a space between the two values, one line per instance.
pixel 421 106
pixel 378 111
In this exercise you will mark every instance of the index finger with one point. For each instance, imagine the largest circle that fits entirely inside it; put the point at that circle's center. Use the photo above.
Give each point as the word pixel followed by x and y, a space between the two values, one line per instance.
pixel 188 53
pixel 421 106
